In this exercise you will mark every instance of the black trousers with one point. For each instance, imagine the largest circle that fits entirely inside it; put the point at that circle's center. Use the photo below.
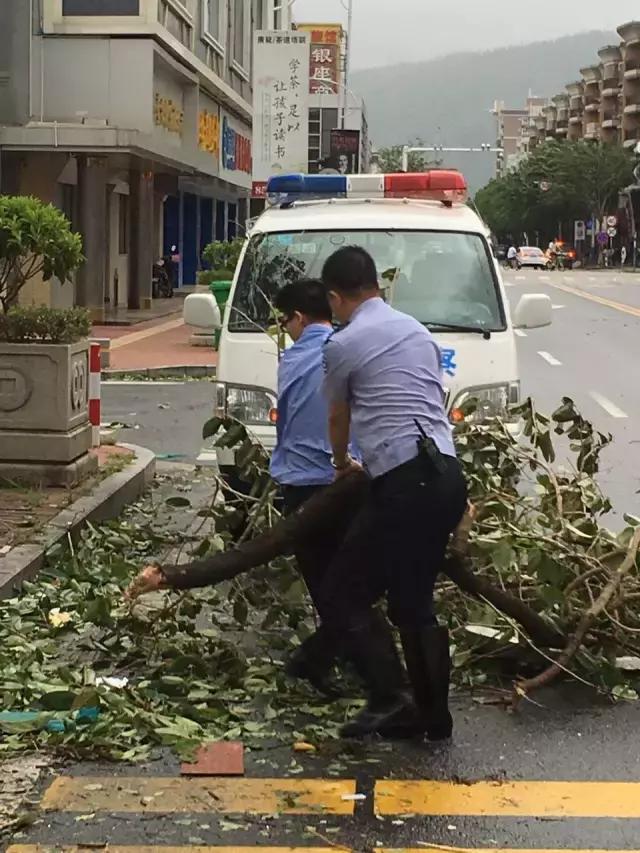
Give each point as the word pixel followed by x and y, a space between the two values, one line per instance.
pixel 401 535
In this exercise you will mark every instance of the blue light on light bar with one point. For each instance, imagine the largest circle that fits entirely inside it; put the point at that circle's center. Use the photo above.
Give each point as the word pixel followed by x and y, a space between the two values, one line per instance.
pixel 287 188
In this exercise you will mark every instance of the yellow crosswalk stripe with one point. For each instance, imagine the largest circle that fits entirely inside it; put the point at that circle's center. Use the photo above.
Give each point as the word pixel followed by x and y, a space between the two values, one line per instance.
pixel 509 799
pixel 229 796
pixel 116 848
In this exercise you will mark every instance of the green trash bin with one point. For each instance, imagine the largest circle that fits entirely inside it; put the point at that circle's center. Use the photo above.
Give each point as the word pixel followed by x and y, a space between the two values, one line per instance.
pixel 221 291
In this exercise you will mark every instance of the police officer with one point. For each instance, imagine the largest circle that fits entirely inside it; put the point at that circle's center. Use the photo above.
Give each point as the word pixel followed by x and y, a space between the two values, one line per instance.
pixel 383 381
pixel 301 461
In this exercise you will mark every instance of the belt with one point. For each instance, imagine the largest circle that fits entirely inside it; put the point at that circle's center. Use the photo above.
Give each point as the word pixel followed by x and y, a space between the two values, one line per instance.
pixel 418 463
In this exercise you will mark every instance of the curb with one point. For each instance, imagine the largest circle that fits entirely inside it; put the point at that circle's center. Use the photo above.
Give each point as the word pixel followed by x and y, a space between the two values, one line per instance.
pixel 182 371
pixel 107 501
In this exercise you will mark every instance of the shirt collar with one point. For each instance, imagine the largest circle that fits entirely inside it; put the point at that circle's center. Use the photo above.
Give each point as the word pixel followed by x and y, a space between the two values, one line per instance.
pixel 314 330
pixel 367 305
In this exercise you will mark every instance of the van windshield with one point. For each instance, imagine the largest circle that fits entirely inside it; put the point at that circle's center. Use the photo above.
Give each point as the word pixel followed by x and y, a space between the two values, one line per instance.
pixel 440 278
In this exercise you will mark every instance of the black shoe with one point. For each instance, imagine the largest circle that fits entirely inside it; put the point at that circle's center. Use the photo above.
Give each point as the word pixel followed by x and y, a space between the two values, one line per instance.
pixel 390 711
pixel 426 654
pixel 314 662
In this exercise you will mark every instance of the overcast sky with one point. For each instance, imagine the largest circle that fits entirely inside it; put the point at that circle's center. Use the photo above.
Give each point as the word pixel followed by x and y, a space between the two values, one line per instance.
pixel 410 30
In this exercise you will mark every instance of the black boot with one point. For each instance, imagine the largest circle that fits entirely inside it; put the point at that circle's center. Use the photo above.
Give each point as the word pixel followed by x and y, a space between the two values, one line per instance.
pixel 314 661
pixel 426 653
pixel 390 711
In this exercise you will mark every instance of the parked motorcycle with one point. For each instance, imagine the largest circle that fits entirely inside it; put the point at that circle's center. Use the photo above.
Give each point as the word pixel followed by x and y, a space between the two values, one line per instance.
pixel 161 287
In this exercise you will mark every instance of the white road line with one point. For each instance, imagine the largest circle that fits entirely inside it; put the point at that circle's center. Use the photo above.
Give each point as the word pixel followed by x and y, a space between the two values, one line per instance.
pixel 557 307
pixel 520 333
pixel 592 278
pixel 509 284
pixel 545 278
pixel 609 407
pixel 550 359
pixel 150 382
pixel 521 278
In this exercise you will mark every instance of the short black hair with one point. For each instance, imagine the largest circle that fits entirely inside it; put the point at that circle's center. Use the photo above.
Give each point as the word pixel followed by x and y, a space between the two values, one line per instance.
pixel 350 270
pixel 308 296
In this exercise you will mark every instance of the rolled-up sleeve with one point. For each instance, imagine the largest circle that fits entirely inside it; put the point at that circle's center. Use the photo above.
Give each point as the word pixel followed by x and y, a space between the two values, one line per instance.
pixel 336 372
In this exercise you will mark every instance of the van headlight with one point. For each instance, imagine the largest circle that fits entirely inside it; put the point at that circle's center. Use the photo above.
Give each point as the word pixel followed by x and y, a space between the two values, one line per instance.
pixel 485 403
pixel 251 406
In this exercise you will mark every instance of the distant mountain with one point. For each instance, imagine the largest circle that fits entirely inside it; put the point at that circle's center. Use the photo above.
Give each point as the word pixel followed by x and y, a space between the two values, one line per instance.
pixel 448 101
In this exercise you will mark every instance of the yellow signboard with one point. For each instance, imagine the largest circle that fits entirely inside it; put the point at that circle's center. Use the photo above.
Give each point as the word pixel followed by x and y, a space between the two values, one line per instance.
pixel 167 114
pixel 209 133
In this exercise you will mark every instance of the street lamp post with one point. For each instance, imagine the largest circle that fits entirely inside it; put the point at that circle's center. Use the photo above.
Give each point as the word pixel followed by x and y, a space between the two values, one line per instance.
pixel 485 148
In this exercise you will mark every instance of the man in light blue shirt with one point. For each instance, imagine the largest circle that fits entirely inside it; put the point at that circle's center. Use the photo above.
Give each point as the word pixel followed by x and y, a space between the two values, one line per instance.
pixel 383 382
pixel 301 462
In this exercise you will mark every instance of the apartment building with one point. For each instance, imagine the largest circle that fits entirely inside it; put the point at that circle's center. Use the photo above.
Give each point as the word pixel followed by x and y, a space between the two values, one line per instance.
pixel 575 91
pixel 610 93
pixel 630 35
pixel 134 117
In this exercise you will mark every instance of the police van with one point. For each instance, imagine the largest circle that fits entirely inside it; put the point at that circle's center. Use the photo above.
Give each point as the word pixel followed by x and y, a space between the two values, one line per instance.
pixel 434 260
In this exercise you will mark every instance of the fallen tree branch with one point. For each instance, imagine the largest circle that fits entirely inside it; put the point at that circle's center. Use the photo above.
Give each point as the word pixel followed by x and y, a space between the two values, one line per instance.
pixel 321 512
pixel 523 688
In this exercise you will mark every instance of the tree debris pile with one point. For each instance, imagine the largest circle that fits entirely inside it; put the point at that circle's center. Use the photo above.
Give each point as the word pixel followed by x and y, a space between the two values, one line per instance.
pixel 83 672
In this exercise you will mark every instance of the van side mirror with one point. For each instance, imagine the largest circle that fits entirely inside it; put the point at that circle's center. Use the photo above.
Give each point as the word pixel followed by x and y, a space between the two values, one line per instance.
pixel 533 311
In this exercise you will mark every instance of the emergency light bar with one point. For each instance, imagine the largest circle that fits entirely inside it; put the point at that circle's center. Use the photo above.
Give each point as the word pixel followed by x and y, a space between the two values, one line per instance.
pixel 437 185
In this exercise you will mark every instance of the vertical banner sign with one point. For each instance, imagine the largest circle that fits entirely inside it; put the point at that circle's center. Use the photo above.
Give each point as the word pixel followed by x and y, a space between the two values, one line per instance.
pixel 345 151
pixel 324 57
pixel 280 105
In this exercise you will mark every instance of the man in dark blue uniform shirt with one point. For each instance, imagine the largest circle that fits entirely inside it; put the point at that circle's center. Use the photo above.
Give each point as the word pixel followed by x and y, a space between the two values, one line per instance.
pixel 383 383
pixel 301 461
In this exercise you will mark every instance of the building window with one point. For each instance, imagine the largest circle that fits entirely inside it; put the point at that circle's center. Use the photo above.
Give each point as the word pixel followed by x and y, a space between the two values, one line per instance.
pixel 123 224
pixel 213 21
pixel 258 15
pixel 100 7
pixel 241 36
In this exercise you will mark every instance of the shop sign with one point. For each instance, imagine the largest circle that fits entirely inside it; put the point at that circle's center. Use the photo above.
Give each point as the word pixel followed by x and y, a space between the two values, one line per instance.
pixel 168 114
pixel 209 133
pixel 236 149
pixel 324 58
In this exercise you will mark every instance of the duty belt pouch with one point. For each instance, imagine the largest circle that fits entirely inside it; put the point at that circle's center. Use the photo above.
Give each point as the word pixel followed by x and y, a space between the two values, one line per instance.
pixel 429 452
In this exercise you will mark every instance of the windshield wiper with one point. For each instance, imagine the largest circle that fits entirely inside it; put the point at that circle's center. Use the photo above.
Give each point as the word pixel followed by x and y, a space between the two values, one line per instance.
pixel 457 327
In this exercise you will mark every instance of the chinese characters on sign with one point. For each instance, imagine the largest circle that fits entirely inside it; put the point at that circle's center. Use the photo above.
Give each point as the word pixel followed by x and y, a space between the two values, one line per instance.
pixel 166 114
pixel 236 149
pixel 281 105
pixel 324 58
pixel 209 133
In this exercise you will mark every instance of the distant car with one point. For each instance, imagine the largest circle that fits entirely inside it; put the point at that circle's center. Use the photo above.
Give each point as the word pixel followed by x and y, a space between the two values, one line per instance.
pixel 532 256
pixel 501 252
pixel 566 257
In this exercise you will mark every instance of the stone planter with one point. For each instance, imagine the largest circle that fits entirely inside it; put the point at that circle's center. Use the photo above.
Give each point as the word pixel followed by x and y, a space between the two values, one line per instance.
pixel 45 434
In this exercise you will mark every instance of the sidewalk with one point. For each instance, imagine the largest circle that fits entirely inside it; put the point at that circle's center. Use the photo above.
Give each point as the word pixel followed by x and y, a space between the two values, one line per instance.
pixel 161 342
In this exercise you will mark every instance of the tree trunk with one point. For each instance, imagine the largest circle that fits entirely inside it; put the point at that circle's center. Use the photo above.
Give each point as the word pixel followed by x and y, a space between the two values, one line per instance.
pixel 322 511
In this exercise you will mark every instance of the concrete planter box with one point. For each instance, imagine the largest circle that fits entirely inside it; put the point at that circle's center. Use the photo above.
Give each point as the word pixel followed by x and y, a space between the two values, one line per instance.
pixel 45 433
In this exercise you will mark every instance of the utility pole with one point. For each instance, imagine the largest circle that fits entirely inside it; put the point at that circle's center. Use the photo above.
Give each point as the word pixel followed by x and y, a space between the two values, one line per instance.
pixel 347 60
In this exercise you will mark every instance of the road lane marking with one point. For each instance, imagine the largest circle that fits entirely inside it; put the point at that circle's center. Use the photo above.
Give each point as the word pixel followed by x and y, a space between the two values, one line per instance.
pixel 550 359
pixel 117 848
pixel 169 794
pixel 557 307
pixel 509 799
pixel 600 300
pixel 509 284
pixel 520 333
pixel 150 382
pixel 609 407
pixel 521 278
pixel 134 337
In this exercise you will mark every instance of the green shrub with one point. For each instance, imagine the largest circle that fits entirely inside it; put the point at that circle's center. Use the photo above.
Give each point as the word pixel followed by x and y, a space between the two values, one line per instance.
pixel 35 239
pixel 207 277
pixel 37 324
pixel 223 256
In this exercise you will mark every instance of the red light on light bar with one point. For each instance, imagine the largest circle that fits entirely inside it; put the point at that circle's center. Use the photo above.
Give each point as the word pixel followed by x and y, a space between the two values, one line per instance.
pixel 439 184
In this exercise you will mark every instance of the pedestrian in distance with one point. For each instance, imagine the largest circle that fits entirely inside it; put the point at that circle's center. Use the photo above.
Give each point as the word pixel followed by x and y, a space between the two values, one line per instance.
pixel 512 257
pixel 383 380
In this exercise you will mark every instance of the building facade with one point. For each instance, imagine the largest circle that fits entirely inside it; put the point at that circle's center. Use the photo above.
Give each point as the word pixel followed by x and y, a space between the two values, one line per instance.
pixel 134 117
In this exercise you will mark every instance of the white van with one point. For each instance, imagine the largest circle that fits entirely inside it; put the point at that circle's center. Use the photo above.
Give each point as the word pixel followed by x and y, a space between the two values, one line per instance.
pixel 434 260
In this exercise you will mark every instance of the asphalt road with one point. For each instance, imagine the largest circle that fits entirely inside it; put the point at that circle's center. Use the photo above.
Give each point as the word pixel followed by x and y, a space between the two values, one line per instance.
pixel 590 353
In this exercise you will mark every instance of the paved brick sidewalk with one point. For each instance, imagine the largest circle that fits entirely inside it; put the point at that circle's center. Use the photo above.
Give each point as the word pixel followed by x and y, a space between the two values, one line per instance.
pixel 162 342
